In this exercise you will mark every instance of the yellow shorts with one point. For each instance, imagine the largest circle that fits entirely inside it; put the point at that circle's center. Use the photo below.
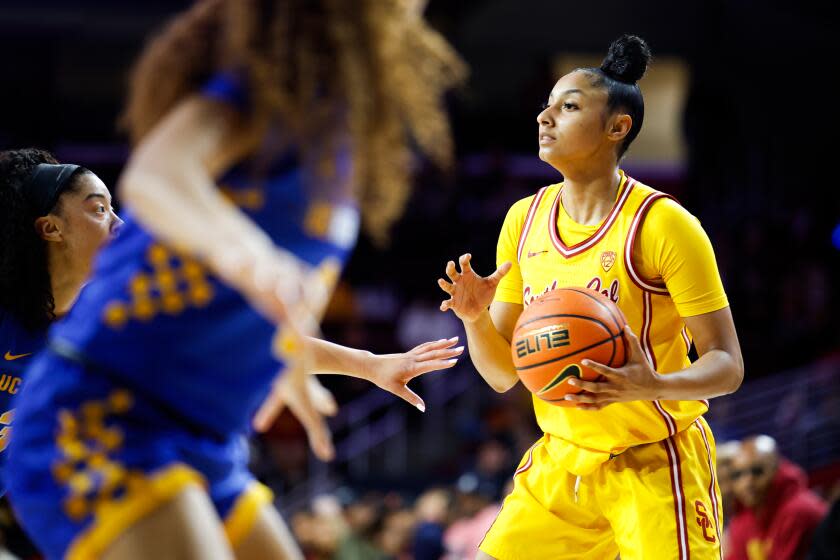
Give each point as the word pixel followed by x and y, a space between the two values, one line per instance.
pixel 659 500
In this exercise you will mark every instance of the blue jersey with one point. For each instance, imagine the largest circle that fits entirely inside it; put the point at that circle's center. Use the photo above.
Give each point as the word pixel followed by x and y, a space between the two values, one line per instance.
pixel 19 346
pixel 160 323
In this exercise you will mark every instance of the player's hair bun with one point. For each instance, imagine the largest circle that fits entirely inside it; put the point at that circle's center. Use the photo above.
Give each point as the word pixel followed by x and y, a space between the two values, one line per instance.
pixel 627 59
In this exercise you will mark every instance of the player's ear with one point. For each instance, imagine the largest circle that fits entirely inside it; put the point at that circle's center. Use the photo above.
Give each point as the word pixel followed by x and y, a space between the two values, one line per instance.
pixel 619 126
pixel 49 228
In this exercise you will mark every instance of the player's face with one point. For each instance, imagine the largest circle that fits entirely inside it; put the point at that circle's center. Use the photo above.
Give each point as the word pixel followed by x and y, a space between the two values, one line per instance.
pixel 573 125
pixel 87 218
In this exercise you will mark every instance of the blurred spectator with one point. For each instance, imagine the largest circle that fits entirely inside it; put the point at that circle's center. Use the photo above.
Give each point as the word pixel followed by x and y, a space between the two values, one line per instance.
pixel 726 454
pixel 474 520
pixel 396 535
pixel 779 514
pixel 432 511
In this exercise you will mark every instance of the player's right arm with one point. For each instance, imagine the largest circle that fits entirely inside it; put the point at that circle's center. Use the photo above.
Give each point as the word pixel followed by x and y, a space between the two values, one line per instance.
pixel 489 331
pixel 169 183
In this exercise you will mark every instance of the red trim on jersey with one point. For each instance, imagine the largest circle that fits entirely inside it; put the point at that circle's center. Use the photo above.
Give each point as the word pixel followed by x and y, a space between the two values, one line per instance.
pixel 670 423
pixel 684 333
pixel 631 240
pixel 593 239
pixel 528 463
pixel 529 217
pixel 647 321
pixel 644 336
pixel 712 483
pixel 675 470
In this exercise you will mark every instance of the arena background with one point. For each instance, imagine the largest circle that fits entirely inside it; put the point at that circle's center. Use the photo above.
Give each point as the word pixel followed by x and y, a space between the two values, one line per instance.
pixel 739 127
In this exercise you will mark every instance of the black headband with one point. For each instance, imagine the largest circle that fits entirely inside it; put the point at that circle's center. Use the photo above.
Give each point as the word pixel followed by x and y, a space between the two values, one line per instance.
pixel 45 185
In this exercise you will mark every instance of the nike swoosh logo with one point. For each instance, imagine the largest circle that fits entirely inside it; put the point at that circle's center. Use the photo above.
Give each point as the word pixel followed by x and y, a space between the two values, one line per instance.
pixel 9 356
pixel 530 254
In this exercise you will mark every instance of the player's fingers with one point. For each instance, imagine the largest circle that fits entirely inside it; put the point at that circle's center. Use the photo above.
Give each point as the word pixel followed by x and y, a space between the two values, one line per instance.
pixel 600 368
pixel 464 261
pixel 590 386
pixel 420 348
pixel 451 272
pixel 317 431
pixel 634 346
pixel 446 305
pixel 269 410
pixel 409 396
pixel 585 398
pixel 500 272
pixel 446 286
pixel 322 399
pixel 593 406
pixel 440 354
pixel 438 344
pixel 433 365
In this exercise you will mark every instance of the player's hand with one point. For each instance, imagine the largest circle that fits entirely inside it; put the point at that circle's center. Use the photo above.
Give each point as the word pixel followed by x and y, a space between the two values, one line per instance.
pixel 274 281
pixel 392 372
pixel 469 293
pixel 636 380
pixel 309 401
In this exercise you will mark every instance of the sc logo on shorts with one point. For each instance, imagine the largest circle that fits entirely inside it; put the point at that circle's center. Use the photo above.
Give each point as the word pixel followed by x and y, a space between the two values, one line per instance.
pixel 704 521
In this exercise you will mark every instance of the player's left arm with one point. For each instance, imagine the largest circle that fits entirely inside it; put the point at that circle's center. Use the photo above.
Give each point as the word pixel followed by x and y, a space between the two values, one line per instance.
pixel 678 253
pixel 390 372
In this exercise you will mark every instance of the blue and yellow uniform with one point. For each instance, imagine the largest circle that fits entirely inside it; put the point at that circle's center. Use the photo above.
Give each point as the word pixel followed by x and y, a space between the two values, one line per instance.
pixel 20 345
pixel 150 383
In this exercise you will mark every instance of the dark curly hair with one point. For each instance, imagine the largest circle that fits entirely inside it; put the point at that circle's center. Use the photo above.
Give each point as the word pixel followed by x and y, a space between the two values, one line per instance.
pixel 625 64
pixel 375 61
pixel 25 289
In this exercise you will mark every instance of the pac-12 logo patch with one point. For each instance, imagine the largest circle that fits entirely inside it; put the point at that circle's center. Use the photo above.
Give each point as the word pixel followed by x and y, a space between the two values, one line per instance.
pixel 704 521
pixel 607 260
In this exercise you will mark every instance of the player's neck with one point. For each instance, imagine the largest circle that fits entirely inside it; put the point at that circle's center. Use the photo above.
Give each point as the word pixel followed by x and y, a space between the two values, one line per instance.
pixel 589 195
pixel 66 279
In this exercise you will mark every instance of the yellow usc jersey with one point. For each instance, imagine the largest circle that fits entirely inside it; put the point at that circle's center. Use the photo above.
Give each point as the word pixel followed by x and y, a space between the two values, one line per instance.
pixel 603 260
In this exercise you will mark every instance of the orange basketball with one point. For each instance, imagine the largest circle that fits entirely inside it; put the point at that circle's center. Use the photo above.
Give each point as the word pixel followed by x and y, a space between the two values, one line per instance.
pixel 557 331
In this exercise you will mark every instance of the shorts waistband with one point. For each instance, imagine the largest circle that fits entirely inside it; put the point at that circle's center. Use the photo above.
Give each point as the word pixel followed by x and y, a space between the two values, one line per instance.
pixel 67 351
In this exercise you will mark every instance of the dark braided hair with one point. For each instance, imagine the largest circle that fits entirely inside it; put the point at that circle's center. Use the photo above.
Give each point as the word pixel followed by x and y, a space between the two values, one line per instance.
pixel 625 64
pixel 25 289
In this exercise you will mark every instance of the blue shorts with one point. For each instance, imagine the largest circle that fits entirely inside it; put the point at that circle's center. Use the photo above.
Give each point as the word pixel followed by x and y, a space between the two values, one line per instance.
pixel 88 458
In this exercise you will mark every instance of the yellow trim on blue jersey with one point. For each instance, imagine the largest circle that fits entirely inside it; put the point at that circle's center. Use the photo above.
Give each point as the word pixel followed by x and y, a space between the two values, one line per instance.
pixel 113 518
pixel 240 521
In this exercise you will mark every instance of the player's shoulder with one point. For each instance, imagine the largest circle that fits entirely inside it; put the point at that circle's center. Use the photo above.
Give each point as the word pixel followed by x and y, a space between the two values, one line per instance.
pixel 663 208
pixel 520 208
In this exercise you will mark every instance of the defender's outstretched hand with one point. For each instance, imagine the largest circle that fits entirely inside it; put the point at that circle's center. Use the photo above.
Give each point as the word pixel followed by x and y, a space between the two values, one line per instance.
pixel 392 372
pixel 309 401
pixel 470 294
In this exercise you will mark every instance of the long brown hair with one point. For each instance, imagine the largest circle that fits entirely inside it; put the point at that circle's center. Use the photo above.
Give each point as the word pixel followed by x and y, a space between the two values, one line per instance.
pixel 376 62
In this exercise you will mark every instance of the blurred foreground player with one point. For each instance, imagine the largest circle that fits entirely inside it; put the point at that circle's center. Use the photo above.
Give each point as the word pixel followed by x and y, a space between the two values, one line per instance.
pixel 779 513
pixel 262 127
pixel 630 467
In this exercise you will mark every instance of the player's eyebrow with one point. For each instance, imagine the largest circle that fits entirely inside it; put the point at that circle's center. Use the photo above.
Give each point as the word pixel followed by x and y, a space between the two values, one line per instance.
pixel 552 98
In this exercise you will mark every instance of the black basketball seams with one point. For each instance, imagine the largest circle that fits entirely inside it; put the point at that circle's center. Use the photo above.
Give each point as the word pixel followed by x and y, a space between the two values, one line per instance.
pixel 557 359
pixel 573 315
pixel 601 303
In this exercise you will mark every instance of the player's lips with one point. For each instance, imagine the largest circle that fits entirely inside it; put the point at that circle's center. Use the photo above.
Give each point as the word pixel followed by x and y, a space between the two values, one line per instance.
pixel 546 139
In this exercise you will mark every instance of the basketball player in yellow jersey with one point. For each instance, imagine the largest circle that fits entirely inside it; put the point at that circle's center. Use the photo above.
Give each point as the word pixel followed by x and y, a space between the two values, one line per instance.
pixel 629 467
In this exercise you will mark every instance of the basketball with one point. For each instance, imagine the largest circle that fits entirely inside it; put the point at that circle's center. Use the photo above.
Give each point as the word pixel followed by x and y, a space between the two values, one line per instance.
pixel 560 329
